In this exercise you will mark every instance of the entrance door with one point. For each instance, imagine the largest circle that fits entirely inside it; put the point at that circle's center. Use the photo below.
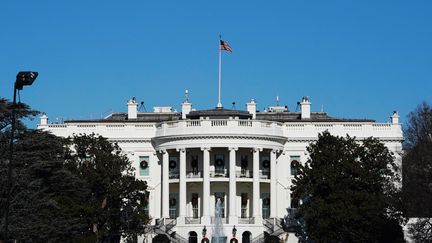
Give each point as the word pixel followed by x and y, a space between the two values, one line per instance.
pixel 193 237
pixel 246 237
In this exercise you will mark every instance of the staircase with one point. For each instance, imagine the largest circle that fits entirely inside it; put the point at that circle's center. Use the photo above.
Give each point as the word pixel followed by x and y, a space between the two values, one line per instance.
pixel 272 226
pixel 165 227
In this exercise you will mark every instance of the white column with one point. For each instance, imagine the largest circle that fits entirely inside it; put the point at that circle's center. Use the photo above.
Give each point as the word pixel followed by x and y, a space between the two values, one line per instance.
pixel 182 187
pixel 256 210
pixel 165 184
pixel 273 172
pixel 233 219
pixel 206 187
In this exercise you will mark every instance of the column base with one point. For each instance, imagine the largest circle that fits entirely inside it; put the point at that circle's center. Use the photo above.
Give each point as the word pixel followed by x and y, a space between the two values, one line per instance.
pixel 205 220
pixel 233 220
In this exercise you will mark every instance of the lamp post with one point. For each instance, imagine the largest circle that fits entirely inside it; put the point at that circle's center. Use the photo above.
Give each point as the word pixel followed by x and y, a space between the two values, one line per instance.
pixel 25 78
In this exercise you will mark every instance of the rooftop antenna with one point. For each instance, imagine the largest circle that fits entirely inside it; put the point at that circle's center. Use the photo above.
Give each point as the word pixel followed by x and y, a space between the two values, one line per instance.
pixel 277 100
pixel 298 105
pixel 142 107
pixel 322 108
pixel 233 105
pixel 186 96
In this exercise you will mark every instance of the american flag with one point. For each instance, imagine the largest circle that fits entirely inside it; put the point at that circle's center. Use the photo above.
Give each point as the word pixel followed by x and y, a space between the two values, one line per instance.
pixel 224 46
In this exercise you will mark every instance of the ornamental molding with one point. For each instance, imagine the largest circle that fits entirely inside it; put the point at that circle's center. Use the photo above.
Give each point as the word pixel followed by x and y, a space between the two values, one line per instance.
pixel 164 139
pixel 130 140
pixel 381 139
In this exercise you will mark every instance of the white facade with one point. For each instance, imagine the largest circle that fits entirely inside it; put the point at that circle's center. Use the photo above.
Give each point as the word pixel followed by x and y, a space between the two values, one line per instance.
pixel 242 157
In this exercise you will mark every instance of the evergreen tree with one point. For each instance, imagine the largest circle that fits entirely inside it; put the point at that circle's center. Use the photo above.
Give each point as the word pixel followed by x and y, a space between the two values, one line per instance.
pixel 45 197
pixel 417 163
pixel 117 200
pixel 348 191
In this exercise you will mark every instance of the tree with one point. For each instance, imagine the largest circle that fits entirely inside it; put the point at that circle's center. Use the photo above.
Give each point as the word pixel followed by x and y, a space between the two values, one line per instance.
pixel 44 195
pixel 117 200
pixel 47 198
pixel 421 230
pixel 348 191
pixel 417 172
pixel 417 163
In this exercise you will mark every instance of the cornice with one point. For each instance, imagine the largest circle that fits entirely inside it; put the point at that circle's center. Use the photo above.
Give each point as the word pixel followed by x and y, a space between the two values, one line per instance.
pixel 382 139
pixel 164 139
pixel 130 140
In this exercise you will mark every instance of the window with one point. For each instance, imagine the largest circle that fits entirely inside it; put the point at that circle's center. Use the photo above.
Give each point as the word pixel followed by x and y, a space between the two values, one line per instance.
pixel 294 164
pixel 265 205
pixel 173 205
pixel 144 164
pixel 220 204
pixel 244 204
pixel 195 205
pixel 220 164
pixel 294 202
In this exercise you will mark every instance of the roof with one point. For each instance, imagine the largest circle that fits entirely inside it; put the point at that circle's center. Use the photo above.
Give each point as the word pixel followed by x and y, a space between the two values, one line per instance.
pixel 296 117
pixel 219 113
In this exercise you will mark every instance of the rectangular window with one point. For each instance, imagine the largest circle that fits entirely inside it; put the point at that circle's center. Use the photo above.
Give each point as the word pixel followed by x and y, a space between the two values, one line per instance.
pixel 146 210
pixel 294 201
pixel 220 207
pixel 265 205
pixel 195 214
pixel 173 205
pixel 294 164
pixel 219 165
pixel 173 167
pixel 244 204
pixel 144 164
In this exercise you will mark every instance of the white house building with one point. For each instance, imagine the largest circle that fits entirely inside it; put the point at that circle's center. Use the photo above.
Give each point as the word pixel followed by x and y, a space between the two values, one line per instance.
pixel 245 159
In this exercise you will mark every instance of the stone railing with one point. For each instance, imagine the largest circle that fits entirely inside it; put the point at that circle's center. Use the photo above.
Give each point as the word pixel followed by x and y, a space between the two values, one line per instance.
pixel 359 130
pixel 219 126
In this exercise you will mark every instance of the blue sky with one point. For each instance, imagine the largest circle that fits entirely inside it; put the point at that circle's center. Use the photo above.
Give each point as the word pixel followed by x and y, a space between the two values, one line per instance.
pixel 359 59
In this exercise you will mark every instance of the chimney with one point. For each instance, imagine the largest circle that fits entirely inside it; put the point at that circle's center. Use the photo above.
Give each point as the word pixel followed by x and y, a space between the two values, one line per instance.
pixel 305 108
pixel 395 118
pixel 44 119
pixel 186 105
pixel 132 108
pixel 186 108
pixel 251 108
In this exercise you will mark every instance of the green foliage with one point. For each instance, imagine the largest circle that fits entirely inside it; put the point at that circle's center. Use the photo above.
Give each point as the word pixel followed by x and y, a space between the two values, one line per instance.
pixel 417 163
pixel 117 199
pixel 348 191
pixel 46 197
pixel 81 189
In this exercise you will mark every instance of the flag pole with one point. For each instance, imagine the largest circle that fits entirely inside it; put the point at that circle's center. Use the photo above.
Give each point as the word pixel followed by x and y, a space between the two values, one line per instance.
pixel 219 105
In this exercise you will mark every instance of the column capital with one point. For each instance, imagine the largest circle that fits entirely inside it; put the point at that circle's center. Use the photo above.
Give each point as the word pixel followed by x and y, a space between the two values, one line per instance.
pixel 257 149
pixel 277 151
pixel 233 148
pixel 162 151
pixel 181 150
pixel 205 148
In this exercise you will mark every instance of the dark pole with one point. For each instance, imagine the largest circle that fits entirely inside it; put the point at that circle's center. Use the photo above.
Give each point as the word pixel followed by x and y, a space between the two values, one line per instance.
pixel 9 178
pixel 25 78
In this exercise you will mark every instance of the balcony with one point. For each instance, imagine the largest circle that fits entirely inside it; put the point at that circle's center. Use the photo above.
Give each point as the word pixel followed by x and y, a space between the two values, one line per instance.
pixel 194 174
pixel 244 174
pixel 219 173
pixel 219 126
pixel 265 174
pixel 174 175
pixel 192 220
